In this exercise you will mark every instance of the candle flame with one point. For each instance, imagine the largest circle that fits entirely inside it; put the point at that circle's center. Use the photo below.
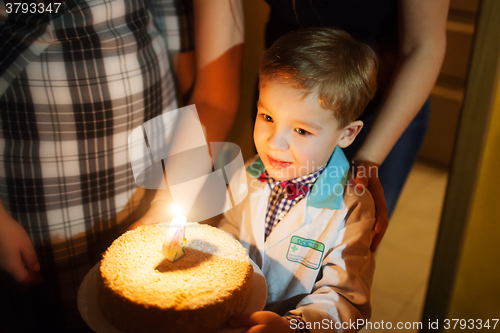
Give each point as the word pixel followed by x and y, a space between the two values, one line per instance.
pixel 177 210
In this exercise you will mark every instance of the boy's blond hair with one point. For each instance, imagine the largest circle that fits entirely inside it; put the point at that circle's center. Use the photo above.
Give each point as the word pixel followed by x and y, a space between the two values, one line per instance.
pixel 327 62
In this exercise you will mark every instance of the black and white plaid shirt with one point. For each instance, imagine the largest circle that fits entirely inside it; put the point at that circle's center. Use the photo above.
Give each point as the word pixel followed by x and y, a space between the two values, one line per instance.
pixel 279 203
pixel 73 85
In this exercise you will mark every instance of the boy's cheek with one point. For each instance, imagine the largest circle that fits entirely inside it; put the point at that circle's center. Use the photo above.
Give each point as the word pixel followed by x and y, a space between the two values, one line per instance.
pixel 258 139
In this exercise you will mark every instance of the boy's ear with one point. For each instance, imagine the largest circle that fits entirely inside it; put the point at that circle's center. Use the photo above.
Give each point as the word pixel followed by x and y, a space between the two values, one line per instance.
pixel 349 133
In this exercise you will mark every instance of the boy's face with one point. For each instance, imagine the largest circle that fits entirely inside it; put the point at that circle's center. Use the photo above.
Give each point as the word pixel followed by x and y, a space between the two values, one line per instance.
pixel 293 135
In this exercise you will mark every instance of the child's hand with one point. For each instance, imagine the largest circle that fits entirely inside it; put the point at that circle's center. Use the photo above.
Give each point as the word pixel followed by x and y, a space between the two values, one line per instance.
pixel 367 177
pixel 159 211
pixel 17 255
pixel 261 322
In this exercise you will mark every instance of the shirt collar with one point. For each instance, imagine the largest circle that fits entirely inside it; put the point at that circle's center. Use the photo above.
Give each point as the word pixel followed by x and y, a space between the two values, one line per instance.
pixel 307 180
pixel 328 190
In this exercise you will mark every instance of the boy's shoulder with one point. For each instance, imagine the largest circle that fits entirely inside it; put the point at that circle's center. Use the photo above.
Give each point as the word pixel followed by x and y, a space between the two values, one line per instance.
pixel 359 200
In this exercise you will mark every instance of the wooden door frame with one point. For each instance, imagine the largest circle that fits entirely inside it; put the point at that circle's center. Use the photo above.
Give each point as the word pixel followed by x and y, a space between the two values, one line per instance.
pixel 480 93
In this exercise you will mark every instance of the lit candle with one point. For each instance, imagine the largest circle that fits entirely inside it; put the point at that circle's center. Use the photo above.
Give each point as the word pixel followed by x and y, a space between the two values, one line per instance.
pixel 175 240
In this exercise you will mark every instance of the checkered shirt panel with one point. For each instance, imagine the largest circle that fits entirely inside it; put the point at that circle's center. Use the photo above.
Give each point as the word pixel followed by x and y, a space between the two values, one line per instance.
pixel 24 36
pixel 279 204
pixel 65 116
pixel 174 19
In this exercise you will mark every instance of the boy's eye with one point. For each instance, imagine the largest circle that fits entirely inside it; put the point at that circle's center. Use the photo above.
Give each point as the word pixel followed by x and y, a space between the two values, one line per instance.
pixel 301 131
pixel 267 118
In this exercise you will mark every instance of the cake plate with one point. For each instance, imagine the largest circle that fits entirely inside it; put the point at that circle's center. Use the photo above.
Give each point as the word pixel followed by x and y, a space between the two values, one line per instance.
pixel 92 315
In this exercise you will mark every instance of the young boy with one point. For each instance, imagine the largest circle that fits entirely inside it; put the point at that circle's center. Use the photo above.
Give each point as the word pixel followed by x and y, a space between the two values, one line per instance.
pixel 303 223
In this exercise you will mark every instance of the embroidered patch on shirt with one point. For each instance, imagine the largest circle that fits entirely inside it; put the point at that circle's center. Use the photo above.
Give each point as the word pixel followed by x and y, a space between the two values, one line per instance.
pixel 307 252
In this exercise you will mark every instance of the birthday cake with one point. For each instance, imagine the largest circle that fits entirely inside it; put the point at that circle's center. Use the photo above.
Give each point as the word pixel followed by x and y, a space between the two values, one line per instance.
pixel 141 291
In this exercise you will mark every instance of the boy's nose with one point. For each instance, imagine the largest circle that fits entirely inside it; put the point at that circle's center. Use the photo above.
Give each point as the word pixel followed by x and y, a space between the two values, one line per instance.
pixel 277 141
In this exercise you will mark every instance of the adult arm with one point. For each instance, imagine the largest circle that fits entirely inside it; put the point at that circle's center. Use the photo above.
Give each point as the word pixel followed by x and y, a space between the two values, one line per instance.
pixel 210 76
pixel 423 44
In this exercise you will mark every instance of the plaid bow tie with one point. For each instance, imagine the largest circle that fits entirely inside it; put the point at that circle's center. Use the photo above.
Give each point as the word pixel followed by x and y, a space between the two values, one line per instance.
pixel 263 177
pixel 293 190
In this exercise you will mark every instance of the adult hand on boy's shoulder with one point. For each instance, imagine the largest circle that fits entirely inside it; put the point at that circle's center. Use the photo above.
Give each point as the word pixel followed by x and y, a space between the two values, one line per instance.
pixel 261 322
pixel 367 177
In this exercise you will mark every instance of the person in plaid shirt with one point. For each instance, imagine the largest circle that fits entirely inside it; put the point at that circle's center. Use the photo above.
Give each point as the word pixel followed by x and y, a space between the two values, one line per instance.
pixel 304 224
pixel 73 85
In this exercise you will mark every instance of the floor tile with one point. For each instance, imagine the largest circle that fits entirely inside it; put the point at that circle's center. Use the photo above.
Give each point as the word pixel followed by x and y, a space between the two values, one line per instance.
pixel 409 318
pixel 387 309
pixel 401 272
pixel 412 235
pixel 404 257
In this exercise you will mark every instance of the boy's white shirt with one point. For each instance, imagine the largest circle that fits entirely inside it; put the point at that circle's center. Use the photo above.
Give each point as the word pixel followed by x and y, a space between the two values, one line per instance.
pixel 291 259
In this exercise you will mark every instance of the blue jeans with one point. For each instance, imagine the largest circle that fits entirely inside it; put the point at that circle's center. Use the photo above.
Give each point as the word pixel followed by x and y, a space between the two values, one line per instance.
pixel 397 166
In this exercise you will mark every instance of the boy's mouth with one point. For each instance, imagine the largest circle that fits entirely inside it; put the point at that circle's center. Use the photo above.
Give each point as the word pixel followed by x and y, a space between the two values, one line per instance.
pixel 277 164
